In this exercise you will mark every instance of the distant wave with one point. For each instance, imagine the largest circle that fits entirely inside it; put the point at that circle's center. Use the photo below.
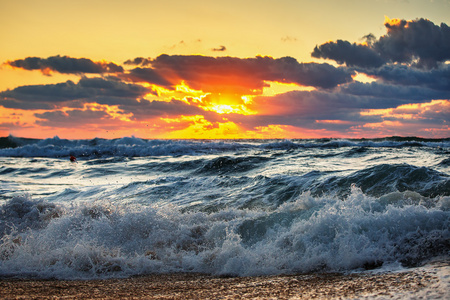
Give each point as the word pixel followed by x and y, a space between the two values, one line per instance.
pixel 135 147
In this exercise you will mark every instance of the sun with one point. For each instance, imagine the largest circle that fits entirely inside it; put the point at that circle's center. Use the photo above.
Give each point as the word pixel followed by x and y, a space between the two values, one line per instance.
pixel 225 103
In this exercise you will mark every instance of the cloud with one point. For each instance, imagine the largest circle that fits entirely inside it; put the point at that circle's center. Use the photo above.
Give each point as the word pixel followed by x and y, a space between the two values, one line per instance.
pixel 420 119
pixel 288 38
pixel 14 125
pixel 418 42
pixel 418 39
pixel 66 65
pixel 245 75
pixel 138 61
pixel 135 111
pixel 350 54
pixel 395 92
pixel 303 108
pixel 70 94
pixel 103 91
pixel 148 75
pixel 219 49
pixel 437 78
pixel 72 118
pixel 346 114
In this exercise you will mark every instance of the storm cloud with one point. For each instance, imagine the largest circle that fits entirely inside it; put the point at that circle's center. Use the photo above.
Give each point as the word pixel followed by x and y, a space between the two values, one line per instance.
pixel 350 54
pixel 418 42
pixel 437 78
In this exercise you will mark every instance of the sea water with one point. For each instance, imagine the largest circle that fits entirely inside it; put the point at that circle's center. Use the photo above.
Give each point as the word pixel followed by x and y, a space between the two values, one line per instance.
pixel 131 206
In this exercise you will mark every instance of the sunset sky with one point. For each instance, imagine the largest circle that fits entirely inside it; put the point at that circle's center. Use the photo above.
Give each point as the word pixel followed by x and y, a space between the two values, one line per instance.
pixel 225 69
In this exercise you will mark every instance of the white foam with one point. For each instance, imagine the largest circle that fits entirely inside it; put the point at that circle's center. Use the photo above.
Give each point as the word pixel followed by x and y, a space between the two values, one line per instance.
pixel 98 240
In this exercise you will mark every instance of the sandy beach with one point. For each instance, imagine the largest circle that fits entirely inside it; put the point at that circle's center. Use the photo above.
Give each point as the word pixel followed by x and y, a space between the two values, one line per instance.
pixel 424 283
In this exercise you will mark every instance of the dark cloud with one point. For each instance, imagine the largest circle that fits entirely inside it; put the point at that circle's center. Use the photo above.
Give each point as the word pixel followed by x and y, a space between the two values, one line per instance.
pixel 41 96
pixel 419 42
pixel 437 78
pixel 111 86
pixel 244 75
pixel 370 39
pixel 65 64
pixel 419 39
pixel 70 94
pixel 138 61
pixel 148 75
pixel 219 49
pixel 397 92
pixel 350 54
pixel 72 118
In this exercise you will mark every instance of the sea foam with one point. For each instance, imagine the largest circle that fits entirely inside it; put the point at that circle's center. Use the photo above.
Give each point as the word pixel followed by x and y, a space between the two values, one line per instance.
pixel 97 240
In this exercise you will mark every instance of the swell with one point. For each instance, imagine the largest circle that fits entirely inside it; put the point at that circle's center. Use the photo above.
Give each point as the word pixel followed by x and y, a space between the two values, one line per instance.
pixel 213 184
pixel 385 178
pixel 231 165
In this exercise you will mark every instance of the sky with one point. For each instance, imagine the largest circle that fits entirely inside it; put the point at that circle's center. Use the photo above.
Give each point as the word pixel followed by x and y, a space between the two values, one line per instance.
pixel 225 69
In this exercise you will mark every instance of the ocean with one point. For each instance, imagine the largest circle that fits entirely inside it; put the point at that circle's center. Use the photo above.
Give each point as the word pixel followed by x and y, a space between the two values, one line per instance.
pixel 133 206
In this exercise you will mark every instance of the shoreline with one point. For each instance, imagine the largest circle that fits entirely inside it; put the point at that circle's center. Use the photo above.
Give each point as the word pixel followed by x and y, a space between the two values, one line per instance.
pixel 431 281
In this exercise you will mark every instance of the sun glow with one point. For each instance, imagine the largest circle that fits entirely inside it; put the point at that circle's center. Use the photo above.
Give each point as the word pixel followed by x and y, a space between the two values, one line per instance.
pixel 361 77
pixel 198 127
pixel 222 103
pixel 229 109
pixel 185 89
pixel 227 103
pixel 409 111
pixel 225 109
pixel 181 91
pixel 274 88
pixel 337 122
pixel 392 22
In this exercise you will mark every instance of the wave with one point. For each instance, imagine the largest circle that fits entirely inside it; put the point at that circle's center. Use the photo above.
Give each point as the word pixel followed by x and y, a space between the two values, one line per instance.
pixel 379 179
pixel 231 165
pixel 136 147
pixel 100 240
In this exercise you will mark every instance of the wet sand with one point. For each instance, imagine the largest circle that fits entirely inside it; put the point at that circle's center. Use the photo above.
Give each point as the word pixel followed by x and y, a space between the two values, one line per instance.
pixel 200 286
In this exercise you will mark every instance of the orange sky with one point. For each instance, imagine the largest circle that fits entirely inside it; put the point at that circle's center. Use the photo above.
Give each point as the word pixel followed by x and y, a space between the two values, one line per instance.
pixel 394 82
